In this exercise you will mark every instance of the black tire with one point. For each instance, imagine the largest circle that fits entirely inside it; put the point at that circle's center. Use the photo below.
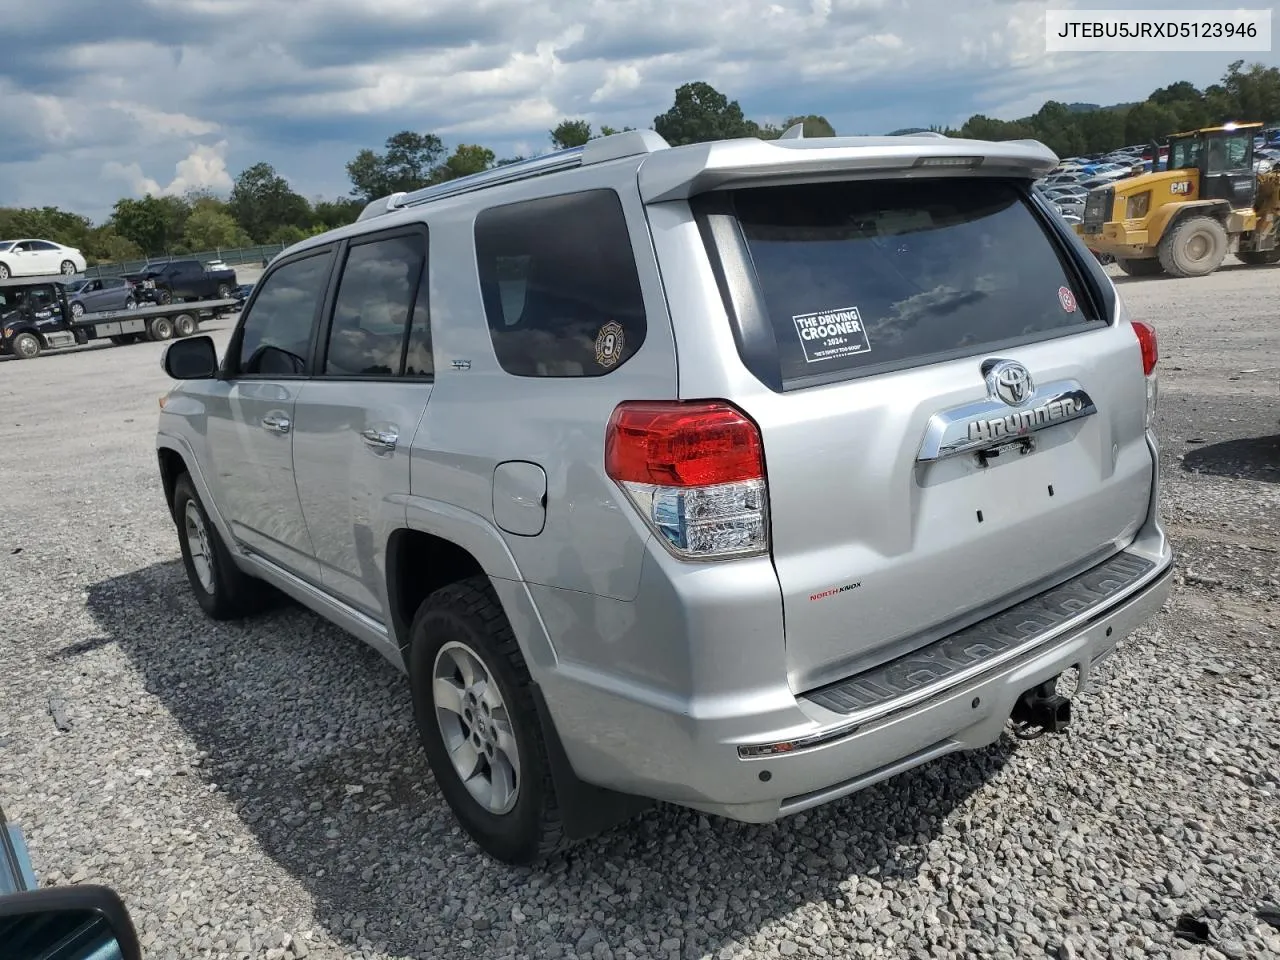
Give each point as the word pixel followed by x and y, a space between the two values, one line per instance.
pixel 224 292
pixel 26 346
pixel 230 593
pixel 67 268
pixel 160 328
pixel 1195 247
pixel 1140 268
pixel 1259 258
pixel 164 297
pixel 184 325
pixel 468 613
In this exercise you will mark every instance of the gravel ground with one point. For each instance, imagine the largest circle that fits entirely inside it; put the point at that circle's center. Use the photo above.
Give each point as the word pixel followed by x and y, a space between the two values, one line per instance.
pixel 257 790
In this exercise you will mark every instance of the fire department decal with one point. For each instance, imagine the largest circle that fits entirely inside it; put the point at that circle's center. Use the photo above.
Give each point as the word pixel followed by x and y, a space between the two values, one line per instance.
pixel 609 343
pixel 1067 299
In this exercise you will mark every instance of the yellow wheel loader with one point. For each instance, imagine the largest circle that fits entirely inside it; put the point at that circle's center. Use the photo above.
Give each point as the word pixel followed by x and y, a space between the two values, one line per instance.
pixel 1183 221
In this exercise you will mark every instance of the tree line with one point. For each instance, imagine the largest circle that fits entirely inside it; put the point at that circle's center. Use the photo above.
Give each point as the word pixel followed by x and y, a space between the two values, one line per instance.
pixel 263 208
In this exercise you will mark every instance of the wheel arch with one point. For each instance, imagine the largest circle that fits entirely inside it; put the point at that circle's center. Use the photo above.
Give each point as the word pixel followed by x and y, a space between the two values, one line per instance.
pixel 1219 210
pixel 175 458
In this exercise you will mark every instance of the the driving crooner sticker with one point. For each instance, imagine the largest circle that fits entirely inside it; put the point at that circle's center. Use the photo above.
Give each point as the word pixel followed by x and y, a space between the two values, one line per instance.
pixel 831 334
pixel 1067 299
pixel 609 342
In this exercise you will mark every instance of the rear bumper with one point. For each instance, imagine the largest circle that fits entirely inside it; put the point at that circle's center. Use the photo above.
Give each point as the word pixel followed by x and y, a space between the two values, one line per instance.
pixel 703 752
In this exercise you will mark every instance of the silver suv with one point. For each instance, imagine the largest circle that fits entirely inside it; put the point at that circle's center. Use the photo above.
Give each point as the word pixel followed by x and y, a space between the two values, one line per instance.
pixel 738 475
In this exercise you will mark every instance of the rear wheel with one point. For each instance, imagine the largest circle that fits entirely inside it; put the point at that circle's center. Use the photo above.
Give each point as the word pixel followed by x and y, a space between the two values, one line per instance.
pixel 1258 258
pixel 26 346
pixel 1140 268
pixel 161 328
pixel 479 726
pixel 184 325
pixel 1195 247
pixel 4 272
pixel 67 268
pixel 223 590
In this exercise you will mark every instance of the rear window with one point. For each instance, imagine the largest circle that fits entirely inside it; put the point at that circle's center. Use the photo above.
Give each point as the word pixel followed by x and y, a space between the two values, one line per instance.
pixel 874 275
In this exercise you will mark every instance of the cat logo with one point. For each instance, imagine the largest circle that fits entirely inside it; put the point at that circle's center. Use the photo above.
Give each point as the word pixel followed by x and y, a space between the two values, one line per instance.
pixel 1180 187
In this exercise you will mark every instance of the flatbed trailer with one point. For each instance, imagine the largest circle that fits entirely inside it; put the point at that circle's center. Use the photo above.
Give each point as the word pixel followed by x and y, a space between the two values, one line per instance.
pixel 43 321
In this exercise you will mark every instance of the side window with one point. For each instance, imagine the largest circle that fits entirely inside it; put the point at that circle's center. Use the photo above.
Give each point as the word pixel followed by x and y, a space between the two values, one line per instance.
pixel 276 335
pixel 373 308
pixel 42 246
pixel 560 285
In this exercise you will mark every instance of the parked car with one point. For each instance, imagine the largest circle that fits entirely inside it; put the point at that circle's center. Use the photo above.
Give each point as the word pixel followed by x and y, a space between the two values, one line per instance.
pixel 175 281
pixel 98 294
pixel 655 499
pixel 37 258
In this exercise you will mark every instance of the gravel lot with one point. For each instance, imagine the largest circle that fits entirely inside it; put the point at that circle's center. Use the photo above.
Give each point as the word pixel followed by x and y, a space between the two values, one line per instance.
pixel 258 791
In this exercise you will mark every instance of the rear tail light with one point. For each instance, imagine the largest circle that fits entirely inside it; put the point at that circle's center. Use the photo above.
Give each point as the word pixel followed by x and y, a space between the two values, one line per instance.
pixel 1150 345
pixel 695 473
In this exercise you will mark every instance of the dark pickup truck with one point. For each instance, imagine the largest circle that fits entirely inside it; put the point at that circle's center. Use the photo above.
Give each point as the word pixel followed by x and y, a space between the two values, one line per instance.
pixel 179 281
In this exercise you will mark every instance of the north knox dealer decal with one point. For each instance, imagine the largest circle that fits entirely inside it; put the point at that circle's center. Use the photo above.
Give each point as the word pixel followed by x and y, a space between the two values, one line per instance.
pixel 831 334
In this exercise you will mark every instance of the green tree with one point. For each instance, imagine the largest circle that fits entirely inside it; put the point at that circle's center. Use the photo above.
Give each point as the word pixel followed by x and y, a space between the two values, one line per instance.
pixel 700 114
pixel 329 214
pixel 287 234
pixel 466 159
pixel 409 162
pixel 570 133
pixel 262 201
pixel 209 228
pixel 104 244
pixel 154 224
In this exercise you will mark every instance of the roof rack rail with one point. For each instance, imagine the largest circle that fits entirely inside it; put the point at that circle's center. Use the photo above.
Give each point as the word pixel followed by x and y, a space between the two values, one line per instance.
pixel 922 133
pixel 629 143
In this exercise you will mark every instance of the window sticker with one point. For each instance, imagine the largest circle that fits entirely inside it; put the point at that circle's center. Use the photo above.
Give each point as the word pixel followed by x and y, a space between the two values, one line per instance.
pixel 1067 299
pixel 609 344
pixel 831 334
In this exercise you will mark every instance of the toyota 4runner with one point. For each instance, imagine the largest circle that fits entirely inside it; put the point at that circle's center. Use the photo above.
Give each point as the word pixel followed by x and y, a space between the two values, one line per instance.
pixel 735 475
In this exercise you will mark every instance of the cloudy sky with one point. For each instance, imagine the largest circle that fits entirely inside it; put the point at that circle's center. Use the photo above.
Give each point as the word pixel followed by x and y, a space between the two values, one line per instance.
pixel 107 98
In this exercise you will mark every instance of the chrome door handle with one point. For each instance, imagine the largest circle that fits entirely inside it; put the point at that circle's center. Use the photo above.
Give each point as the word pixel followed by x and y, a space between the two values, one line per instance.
pixel 276 423
pixel 380 439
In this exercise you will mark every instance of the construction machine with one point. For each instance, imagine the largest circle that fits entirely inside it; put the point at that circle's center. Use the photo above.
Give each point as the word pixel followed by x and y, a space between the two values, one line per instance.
pixel 1184 220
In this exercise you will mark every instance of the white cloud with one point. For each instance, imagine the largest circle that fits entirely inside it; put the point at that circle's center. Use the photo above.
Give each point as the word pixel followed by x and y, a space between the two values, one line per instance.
pixel 204 168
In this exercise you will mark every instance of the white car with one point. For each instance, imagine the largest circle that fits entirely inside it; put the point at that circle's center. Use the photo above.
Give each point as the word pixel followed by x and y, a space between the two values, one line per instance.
pixel 35 258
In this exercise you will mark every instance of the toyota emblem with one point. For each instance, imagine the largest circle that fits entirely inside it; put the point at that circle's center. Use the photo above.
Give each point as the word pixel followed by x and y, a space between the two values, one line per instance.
pixel 1010 382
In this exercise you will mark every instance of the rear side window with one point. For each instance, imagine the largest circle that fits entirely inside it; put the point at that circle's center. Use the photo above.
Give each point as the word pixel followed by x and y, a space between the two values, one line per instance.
pixel 872 275
pixel 374 308
pixel 560 285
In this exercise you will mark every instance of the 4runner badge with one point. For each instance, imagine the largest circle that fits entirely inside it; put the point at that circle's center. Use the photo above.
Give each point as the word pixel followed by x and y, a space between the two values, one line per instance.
pixel 987 423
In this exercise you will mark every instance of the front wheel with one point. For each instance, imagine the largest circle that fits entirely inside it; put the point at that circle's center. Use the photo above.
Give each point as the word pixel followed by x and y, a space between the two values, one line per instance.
pixel 224 292
pixel 1195 247
pixel 1149 267
pixel 26 346
pixel 223 590
pixel 479 726
pixel 184 325
pixel 1259 258
pixel 77 309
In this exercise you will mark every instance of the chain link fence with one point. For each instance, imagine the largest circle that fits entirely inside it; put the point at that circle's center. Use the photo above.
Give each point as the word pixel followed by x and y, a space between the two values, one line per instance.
pixel 231 256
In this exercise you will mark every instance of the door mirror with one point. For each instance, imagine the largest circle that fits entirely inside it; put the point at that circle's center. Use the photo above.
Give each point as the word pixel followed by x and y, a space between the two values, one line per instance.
pixel 67 923
pixel 192 358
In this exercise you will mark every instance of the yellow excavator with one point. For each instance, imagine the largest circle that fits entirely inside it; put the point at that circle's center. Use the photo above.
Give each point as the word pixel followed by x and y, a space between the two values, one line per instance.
pixel 1184 220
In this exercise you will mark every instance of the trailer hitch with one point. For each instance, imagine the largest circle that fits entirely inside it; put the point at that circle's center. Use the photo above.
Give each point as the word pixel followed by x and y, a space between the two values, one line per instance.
pixel 1041 710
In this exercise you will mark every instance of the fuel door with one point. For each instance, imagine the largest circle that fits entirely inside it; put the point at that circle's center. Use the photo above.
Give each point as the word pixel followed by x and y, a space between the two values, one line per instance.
pixel 520 498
